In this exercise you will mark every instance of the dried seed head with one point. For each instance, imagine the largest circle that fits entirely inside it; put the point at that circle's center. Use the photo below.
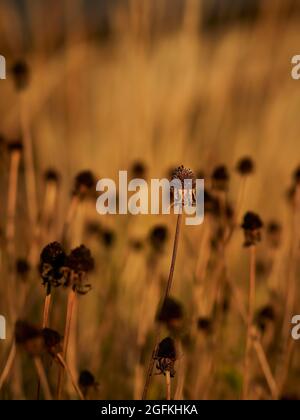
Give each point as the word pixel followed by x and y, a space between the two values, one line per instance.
pixel 170 311
pixel 15 146
pixel 274 233
pixel 29 337
pixel 158 237
pixel 166 348
pixel 53 254
pixel 296 175
pixel 79 263
pixel 252 225
pixel 108 238
pixel 205 325
pixel 52 260
pixel 22 267
pixel 265 316
pixel 252 221
pixel 166 356
pixel 220 178
pixel 51 175
pixel 245 166
pixel 80 260
pixel 86 379
pixel 138 170
pixel 85 183
pixel 25 331
pixel 21 74
pixel 181 173
pixel 52 340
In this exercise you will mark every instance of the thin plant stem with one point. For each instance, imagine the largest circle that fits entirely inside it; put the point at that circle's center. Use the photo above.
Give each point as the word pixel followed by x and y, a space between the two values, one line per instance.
pixel 249 321
pixel 168 385
pixel 42 377
pixel 263 361
pixel 266 368
pixel 71 302
pixel 46 309
pixel 44 325
pixel 8 364
pixel 12 199
pixel 28 156
pixel 166 295
pixel 68 370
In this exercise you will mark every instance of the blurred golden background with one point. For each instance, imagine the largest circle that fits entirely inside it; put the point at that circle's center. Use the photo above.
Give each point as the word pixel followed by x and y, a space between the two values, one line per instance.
pixel 158 83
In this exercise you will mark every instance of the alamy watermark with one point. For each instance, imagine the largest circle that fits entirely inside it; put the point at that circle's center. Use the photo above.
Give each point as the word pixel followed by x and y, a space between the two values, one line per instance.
pixel 296 68
pixel 165 197
pixel 2 67
pixel 2 328
pixel 296 329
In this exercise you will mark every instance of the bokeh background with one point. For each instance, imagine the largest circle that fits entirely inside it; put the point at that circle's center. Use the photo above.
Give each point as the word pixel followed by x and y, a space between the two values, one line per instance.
pixel 161 83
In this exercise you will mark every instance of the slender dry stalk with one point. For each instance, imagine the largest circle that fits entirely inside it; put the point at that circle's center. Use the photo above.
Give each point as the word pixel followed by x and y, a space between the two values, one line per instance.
pixel 8 364
pixel 166 295
pixel 168 385
pixel 46 309
pixel 251 306
pixel 266 368
pixel 12 199
pixel 70 307
pixel 42 377
pixel 68 370
pixel 45 325
pixel 29 161
pixel 263 361
pixel 178 395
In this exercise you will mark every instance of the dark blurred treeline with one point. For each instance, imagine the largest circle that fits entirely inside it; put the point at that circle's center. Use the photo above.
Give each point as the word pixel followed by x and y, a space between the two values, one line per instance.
pixel 55 20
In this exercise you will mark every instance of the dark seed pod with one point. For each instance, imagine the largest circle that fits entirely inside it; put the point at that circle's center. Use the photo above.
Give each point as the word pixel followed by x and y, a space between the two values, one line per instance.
pixel 22 268
pixel 252 225
pixel 52 340
pixel 80 260
pixel 52 260
pixel 170 311
pixel 220 178
pixel 86 379
pixel 158 237
pixel 85 183
pixel 15 146
pixel 182 174
pixel 264 316
pixel 138 170
pixel 29 337
pixel 166 356
pixel 79 263
pixel 166 348
pixel 51 175
pixel 205 325
pixel 274 233
pixel 108 238
pixel 20 72
pixel 245 166
pixel 296 175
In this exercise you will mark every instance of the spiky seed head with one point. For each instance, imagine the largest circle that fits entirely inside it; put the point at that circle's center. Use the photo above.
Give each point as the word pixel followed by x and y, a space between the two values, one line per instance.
pixel 181 173
pixel 80 259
